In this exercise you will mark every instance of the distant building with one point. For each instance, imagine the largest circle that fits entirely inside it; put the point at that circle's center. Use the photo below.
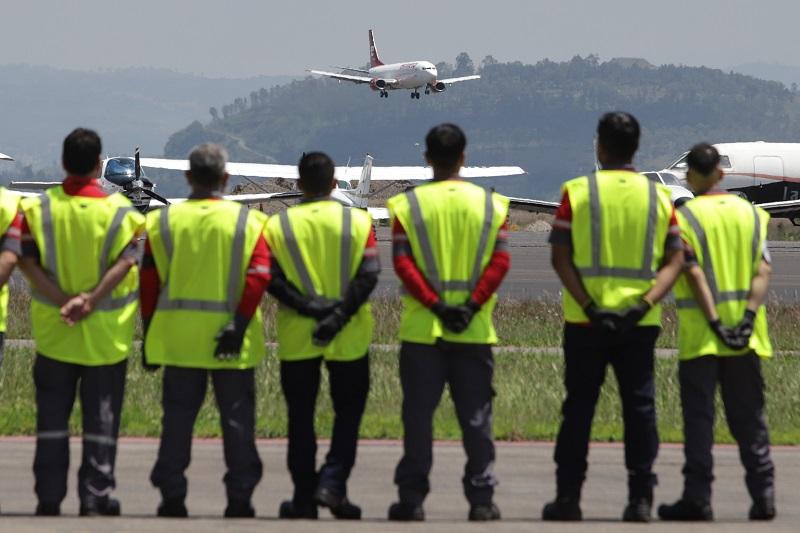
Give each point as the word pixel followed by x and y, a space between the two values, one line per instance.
pixel 628 62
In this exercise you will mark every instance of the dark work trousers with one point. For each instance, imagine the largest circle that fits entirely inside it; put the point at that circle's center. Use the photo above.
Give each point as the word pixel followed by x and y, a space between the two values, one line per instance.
pixel 587 353
pixel 742 388
pixel 101 390
pixel 349 386
pixel 468 371
pixel 183 395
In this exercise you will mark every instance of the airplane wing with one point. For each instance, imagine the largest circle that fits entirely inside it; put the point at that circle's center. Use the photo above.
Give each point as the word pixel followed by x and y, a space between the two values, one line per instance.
pixel 378 213
pixel 450 81
pixel 33 185
pixel 783 208
pixel 246 199
pixel 425 173
pixel 534 206
pixel 5 157
pixel 347 77
pixel 255 170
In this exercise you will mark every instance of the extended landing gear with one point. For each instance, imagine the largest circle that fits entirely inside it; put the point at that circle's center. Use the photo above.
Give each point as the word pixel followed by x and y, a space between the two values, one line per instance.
pixel 427 90
pixel 384 94
pixel 415 94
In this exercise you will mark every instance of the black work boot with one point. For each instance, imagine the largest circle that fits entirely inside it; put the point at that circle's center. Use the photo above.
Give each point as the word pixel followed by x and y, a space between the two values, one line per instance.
pixel 406 512
pixel 762 509
pixel 239 509
pixel 48 509
pixel 298 510
pixel 638 509
pixel 484 512
pixel 686 510
pixel 172 508
pixel 563 509
pixel 105 506
pixel 340 506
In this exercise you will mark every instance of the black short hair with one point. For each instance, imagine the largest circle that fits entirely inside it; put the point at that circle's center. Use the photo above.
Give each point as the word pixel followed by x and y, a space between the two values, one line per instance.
pixel 445 145
pixel 703 159
pixel 316 171
pixel 618 133
pixel 82 148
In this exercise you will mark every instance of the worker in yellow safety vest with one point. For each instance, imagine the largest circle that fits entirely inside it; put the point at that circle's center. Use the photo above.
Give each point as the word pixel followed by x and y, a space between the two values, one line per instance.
pixel 79 252
pixel 205 267
pixel 10 250
pixel 325 265
pixel 722 336
pixel 450 251
pixel 616 248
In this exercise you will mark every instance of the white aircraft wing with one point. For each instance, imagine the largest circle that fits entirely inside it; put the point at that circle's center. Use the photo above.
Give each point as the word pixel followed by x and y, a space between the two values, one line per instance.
pixel 33 185
pixel 425 173
pixel 5 157
pixel 534 206
pixel 246 199
pixel 347 77
pixel 450 81
pixel 781 208
pixel 255 170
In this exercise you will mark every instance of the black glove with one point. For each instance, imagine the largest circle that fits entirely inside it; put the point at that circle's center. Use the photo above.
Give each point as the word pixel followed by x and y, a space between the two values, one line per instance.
pixel 632 315
pixel 318 308
pixel 604 320
pixel 329 327
pixel 745 327
pixel 455 318
pixel 728 336
pixel 230 339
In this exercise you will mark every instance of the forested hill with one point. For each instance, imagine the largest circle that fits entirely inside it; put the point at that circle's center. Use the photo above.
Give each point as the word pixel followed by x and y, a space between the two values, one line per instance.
pixel 541 117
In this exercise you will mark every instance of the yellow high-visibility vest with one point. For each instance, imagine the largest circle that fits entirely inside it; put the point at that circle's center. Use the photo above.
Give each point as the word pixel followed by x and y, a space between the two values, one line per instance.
pixel 202 249
pixel 452 226
pixel 9 205
pixel 620 221
pixel 79 239
pixel 727 234
pixel 320 246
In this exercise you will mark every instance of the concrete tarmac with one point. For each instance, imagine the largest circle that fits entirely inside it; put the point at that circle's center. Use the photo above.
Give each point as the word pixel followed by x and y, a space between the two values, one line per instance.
pixel 525 471
pixel 532 277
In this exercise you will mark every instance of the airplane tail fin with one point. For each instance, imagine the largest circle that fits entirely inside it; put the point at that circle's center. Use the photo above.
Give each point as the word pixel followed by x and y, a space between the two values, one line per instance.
pixel 374 60
pixel 362 191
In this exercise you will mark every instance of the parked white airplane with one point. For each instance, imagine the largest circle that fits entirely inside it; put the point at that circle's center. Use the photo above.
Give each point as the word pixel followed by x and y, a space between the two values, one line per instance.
pixel 413 75
pixel 767 174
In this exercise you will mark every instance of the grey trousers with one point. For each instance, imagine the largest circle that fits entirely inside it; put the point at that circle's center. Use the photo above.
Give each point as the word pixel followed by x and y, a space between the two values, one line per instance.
pixel 468 370
pixel 742 388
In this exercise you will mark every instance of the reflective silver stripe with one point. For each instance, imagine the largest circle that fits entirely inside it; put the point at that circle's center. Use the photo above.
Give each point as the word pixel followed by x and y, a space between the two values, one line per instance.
pixel 428 260
pixel 645 272
pixel 458 285
pixel 234 275
pixel 296 255
pixel 49 238
pixel 100 439
pixel 724 296
pixel 165 303
pixel 55 434
pixel 346 247
pixel 756 234
pixel 488 218
pixel 111 236
pixel 708 265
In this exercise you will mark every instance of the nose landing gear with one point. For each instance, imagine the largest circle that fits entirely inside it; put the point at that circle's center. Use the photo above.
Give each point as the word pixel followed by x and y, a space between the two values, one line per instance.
pixel 415 94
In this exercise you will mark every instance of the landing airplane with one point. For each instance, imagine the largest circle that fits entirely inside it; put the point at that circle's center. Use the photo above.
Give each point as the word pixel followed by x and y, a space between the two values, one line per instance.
pixel 4 157
pixel 384 78
pixel 767 174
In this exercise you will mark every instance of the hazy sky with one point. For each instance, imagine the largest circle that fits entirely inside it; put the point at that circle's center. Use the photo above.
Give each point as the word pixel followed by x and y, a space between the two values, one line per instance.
pixel 241 38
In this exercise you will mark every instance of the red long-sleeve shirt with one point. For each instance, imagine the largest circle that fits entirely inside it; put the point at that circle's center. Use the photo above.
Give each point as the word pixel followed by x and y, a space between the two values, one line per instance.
pixel 256 281
pixel 417 286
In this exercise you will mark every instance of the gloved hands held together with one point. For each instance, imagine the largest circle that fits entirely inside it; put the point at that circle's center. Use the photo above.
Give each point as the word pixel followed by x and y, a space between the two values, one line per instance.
pixel 329 327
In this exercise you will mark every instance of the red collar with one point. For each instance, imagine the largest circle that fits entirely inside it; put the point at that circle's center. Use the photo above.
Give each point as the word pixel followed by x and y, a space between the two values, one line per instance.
pixel 83 186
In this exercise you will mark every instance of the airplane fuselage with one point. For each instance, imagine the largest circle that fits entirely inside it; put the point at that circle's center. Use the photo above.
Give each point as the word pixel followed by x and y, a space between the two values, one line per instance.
pixel 409 75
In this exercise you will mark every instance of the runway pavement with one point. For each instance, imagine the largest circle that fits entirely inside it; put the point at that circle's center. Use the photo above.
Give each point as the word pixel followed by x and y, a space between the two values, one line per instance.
pixel 532 277
pixel 525 471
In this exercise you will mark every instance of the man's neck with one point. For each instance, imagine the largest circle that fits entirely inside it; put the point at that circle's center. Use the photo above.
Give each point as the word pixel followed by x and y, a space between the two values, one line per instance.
pixel 618 165
pixel 445 174
pixel 205 194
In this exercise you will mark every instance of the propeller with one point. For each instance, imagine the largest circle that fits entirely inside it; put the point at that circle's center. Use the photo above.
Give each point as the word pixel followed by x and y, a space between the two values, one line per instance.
pixel 137 185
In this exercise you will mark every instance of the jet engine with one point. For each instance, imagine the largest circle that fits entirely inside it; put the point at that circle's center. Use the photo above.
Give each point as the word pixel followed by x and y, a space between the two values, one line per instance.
pixel 377 84
pixel 438 87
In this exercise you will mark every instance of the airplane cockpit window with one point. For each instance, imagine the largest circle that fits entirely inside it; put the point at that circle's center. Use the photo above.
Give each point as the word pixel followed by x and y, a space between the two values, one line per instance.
pixel 652 176
pixel 669 179
pixel 120 170
pixel 681 164
pixel 343 184
pixel 724 161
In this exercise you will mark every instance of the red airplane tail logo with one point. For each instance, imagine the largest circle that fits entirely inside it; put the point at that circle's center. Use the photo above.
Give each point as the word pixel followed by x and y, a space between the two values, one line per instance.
pixel 374 60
